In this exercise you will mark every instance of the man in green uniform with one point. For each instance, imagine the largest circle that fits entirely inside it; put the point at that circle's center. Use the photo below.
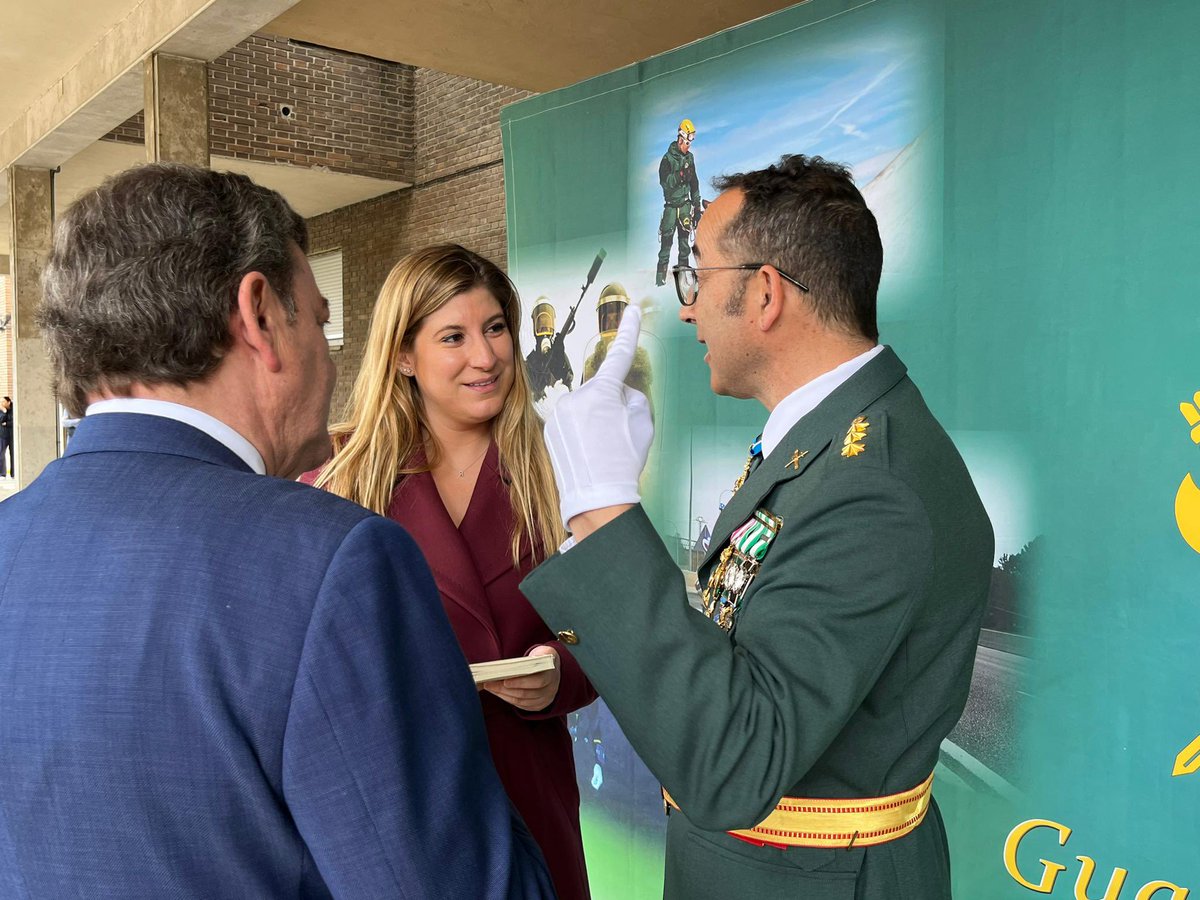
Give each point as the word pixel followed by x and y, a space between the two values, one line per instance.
pixel 794 724
pixel 681 199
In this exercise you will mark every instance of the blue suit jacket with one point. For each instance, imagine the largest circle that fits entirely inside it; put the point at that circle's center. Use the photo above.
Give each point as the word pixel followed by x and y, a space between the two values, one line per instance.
pixel 215 684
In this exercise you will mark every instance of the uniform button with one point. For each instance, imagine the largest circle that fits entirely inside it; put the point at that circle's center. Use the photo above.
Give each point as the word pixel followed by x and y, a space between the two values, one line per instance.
pixel 568 636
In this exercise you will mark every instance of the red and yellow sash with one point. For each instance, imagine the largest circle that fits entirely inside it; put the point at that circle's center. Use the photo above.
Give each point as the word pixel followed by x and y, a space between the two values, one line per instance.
pixel 863 822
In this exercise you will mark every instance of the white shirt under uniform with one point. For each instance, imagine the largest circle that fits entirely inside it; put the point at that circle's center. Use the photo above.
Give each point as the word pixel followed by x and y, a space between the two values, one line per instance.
pixel 804 399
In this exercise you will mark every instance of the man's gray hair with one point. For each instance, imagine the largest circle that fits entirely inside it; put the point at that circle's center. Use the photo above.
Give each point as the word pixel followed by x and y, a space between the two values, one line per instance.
pixel 144 273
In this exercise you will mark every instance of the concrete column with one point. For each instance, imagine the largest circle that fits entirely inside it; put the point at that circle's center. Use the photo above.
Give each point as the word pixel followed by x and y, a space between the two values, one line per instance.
pixel 31 195
pixel 176 109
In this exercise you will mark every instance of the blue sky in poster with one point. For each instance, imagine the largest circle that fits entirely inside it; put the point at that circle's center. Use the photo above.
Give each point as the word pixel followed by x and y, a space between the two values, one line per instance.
pixel 856 101
pixel 860 96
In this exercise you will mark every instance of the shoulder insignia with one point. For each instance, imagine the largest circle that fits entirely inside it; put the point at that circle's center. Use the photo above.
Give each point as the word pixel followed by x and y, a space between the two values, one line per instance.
pixel 854 444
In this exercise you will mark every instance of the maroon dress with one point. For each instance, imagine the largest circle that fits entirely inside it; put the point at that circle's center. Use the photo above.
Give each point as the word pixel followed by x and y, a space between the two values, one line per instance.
pixel 473 568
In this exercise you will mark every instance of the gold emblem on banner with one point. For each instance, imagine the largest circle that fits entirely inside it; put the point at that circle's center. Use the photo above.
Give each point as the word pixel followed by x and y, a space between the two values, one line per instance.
pixel 855 435
pixel 1187 762
pixel 1187 498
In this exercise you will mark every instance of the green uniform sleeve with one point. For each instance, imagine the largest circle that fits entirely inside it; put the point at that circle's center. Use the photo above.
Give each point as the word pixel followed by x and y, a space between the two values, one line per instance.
pixel 729 725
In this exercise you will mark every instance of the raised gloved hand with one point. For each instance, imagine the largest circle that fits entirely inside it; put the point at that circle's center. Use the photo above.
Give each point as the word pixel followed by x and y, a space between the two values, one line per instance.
pixel 600 435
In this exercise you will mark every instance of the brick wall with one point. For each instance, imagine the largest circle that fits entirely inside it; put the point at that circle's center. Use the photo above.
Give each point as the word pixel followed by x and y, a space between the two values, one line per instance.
pixel 458 196
pixel 131 131
pixel 373 235
pixel 458 122
pixel 348 113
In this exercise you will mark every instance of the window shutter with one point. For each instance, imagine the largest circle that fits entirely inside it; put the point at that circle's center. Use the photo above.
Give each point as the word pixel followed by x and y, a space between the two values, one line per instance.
pixel 327 270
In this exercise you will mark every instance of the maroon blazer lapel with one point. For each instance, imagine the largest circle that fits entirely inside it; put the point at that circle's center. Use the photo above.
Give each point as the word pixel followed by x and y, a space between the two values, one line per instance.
pixel 487 525
pixel 417 506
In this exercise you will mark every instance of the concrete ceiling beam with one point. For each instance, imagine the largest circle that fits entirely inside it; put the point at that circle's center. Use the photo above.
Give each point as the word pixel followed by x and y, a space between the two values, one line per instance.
pixel 106 86
pixel 536 45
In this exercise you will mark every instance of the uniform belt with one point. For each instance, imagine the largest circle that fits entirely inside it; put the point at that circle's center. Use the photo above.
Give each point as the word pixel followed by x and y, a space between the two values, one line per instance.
pixel 862 822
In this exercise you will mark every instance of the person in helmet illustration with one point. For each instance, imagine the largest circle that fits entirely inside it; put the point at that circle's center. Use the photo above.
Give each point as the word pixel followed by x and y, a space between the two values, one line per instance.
pixel 547 362
pixel 681 199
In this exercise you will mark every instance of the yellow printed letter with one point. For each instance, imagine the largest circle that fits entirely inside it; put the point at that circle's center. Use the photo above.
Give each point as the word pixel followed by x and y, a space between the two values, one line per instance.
pixel 1085 878
pixel 1149 890
pixel 1051 870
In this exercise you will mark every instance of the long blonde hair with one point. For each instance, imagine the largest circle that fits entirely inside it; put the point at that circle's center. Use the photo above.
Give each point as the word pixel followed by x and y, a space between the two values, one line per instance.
pixel 386 418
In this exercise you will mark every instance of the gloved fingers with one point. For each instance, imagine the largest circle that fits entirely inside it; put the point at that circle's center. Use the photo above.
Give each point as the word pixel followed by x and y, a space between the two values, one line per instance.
pixel 619 359
pixel 640 421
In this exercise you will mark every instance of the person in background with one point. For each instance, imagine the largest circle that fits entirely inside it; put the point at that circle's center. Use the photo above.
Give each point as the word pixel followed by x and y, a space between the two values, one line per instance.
pixel 442 437
pixel 219 682
pixel 7 424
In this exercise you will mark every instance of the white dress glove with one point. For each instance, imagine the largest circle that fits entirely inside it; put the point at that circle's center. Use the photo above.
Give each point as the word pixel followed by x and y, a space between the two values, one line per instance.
pixel 600 435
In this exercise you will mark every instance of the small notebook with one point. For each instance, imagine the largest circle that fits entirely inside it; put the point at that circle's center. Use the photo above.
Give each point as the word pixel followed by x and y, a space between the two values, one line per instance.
pixel 510 668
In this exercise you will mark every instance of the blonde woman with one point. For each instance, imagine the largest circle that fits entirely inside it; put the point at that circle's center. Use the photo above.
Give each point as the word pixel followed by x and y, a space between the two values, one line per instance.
pixel 442 437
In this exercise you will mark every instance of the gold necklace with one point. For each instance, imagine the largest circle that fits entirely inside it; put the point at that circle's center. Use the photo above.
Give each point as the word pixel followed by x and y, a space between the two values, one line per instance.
pixel 462 473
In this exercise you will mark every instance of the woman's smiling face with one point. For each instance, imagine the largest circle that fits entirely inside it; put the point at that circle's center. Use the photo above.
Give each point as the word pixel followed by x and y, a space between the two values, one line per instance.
pixel 462 360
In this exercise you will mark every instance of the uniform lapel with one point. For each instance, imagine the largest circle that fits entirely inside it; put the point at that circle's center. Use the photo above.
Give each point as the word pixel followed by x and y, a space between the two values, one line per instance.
pixel 761 481
pixel 812 436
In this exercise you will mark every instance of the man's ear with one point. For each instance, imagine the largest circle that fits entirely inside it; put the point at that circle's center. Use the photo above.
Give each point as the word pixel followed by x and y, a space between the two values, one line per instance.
pixel 257 320
pixel 768 293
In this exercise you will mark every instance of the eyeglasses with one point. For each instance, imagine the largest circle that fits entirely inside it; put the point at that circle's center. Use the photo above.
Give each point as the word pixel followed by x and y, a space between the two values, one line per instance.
pixel 687 285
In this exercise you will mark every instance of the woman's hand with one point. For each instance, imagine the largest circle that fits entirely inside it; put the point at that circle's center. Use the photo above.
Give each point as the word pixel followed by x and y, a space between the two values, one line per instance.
pixel 530 692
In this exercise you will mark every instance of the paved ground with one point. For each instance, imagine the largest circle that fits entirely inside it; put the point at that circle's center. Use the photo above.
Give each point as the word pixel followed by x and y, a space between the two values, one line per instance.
pixel 988 729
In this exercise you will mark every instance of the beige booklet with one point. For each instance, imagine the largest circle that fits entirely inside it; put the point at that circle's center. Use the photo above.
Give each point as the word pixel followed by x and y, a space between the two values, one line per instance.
pixel 510 668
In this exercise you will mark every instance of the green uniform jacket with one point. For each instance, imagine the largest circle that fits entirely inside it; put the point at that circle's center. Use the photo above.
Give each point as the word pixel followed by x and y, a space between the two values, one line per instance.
pixel 677 176
pixel 849 661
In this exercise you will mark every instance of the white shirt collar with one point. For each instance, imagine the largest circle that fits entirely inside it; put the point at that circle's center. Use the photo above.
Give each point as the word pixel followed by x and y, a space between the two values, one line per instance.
pixel 800 402
pixel 214 428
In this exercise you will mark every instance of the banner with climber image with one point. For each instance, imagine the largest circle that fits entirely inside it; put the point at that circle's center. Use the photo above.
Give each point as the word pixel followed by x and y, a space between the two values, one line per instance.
pixel 1008 292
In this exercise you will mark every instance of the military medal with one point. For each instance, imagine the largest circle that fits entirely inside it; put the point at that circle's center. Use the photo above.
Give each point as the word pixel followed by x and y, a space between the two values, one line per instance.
pixel 755 453
pixel 738 565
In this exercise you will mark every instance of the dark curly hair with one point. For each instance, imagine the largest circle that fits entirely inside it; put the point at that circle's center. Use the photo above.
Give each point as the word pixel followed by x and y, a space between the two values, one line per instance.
pixel 804 215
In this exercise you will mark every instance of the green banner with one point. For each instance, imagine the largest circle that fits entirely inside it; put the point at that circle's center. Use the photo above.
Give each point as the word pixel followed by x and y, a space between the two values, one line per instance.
pixel 1031 168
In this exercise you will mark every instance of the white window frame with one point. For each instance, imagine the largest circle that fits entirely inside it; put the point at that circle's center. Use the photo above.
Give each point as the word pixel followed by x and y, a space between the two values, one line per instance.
pixel 327 270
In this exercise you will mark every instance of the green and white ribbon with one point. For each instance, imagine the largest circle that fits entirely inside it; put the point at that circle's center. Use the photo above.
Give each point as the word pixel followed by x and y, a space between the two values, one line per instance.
pixel 754 538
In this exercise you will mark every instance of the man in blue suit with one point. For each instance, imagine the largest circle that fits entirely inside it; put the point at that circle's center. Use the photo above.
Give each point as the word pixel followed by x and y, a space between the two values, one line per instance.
pixel 216 682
